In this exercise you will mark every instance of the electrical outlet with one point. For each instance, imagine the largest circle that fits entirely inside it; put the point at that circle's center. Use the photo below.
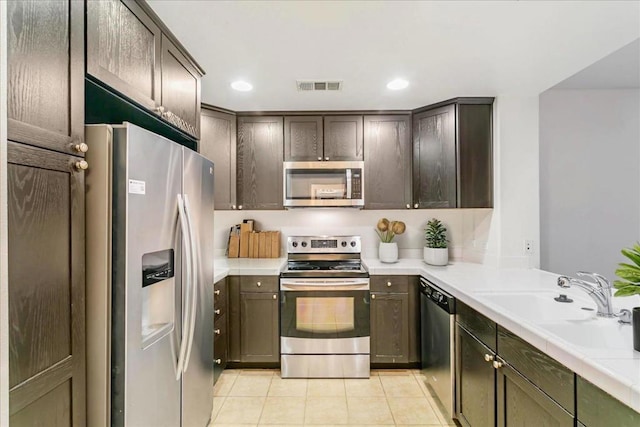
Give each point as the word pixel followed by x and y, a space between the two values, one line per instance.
pixel 528 247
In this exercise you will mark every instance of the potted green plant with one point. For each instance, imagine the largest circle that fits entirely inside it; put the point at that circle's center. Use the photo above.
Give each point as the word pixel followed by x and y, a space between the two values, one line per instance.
pixel 387 230
pixel 436 250
pixel 629 284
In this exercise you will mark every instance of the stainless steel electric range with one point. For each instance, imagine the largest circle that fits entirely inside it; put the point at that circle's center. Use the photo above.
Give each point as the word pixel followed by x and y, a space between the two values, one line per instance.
pixel 324 316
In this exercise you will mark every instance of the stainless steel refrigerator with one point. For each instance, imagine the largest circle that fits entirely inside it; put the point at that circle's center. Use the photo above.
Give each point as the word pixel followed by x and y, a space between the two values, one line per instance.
pixel 149 207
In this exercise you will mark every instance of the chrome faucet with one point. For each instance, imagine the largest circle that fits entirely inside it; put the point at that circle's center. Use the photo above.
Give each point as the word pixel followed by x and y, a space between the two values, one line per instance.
pixel 599 290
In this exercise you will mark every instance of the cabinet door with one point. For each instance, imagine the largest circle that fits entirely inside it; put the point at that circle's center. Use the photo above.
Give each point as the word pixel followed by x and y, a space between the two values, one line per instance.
pixel 259 332
pixel 303 138
pixel 475 381
pixel 343 138
pixel 123 50
pixel 595 407
pixel 387 153
pixel 389 328
pixel 220 347
pixel 520 403
pixel 218 144
pixel 260 162
pixel 46 288
pixel 180 90
pixel 45 47
pixel 475 162
pixel 434 158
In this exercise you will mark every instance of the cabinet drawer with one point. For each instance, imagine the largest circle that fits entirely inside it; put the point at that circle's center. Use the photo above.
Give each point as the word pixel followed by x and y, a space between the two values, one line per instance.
pixel 258 283
pixel 550 376
pixel 395 284
pixel 220 294
pixel 481 327
pixel 219 334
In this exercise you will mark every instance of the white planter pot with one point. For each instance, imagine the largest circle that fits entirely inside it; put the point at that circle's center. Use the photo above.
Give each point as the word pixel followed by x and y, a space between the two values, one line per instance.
pixel 436 256
pixel 388 252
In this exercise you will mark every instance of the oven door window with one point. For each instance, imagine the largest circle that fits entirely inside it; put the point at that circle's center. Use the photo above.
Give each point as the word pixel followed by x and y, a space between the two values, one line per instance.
pixel 310 184
pixel 322 314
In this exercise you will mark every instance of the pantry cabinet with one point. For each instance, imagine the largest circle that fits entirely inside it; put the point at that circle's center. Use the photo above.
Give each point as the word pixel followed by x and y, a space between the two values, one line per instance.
pixel 394 313
pixel 254 333
pixel 131 51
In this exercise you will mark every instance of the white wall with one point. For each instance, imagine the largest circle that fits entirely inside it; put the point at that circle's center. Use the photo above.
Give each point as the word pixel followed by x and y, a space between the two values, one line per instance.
pixel 467 229
pixel 516 216
pixel 589 178
pixel 4 298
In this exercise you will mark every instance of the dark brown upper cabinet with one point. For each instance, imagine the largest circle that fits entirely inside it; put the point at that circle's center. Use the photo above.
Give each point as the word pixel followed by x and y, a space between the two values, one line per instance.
pixel 124 50
pixel 218 144
pixel 343 138
pixel 260 151
pixel 45 100
pixel 387 162
pixel 452 154
pixel 129 50
pixel 303 138
pixel 180 89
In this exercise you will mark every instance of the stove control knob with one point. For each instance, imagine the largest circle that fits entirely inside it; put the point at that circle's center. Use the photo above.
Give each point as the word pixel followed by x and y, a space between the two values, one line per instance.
pixel 353 244
pixel 294 244
pixel 343 244
pixel 304 244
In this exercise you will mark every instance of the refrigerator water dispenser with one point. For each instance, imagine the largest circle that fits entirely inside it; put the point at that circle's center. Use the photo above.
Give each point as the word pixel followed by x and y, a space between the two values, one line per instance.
pixel 158 291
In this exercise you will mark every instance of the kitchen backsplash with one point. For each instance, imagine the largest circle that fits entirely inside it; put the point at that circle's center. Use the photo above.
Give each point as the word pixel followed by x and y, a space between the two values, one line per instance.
pixel 467 229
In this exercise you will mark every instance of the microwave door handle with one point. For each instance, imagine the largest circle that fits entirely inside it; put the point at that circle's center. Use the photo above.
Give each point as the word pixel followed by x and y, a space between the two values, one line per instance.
pixel 348 184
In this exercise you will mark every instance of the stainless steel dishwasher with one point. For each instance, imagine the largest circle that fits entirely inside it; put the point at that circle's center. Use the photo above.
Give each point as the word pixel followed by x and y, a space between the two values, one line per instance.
pixel 437 316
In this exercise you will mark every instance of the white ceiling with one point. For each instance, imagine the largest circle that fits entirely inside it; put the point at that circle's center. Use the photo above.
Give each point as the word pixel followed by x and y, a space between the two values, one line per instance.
pixel 619 70
pixel 445 49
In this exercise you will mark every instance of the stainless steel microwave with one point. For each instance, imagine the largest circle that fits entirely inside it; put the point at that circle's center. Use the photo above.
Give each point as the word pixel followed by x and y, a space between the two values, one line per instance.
pixel 323 184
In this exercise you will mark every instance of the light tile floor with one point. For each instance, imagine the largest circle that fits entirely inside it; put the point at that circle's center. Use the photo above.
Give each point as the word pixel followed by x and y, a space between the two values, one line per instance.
pixel 261 397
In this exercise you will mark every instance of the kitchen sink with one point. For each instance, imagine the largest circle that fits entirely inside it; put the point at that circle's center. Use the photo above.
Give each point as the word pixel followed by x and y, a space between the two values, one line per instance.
pixel 594 333
pixel 540 307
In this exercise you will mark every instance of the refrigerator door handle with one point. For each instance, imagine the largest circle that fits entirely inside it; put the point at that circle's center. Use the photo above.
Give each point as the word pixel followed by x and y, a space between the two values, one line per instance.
pixel 186 237
pixel 194 282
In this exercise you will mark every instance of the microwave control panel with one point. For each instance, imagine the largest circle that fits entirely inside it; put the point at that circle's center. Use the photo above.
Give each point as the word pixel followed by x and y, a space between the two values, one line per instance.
pixel 356 183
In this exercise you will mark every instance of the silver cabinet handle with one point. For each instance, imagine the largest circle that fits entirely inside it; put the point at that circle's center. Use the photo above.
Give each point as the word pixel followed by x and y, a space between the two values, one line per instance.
pixel 233 206
pixel 319 158
pixel 218 362
pixel 408 206
pixel 81 148
pixel 326 158
pixel 217 292
pixel 488 358
pixel 373 296
pixel 82 165
pixel 240 207
pixel 389 284
pixel 415 206
pixel 216 331
pixel 258 284
pixel 497 364
pixel 275 296
pixel 160 110
pixel 216 311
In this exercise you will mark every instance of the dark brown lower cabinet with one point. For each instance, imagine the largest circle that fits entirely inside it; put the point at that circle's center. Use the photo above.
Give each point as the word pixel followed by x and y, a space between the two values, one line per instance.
pixel 520 403
pixel 389 327
pixel 595 408
pixel 220 329
pixel 475 381
pixel 254 332
pixel 46 288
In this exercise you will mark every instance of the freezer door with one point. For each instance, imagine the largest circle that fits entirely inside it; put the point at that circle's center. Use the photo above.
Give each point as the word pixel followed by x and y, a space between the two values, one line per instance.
pixel 147 279
pixel 197 385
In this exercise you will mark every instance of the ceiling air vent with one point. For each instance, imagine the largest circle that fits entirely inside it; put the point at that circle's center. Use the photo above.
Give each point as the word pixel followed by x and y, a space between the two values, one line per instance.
pixel 313 85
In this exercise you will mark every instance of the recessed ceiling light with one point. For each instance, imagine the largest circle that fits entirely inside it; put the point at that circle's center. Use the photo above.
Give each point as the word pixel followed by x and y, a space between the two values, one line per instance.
pixel 397 84
pixel 242 86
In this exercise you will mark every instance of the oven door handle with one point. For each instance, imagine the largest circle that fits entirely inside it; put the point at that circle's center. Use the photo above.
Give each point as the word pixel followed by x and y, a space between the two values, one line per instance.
pixel 328 285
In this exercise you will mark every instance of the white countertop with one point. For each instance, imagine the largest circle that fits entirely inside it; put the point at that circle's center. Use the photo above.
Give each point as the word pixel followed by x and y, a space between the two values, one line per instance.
pixel 614 368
